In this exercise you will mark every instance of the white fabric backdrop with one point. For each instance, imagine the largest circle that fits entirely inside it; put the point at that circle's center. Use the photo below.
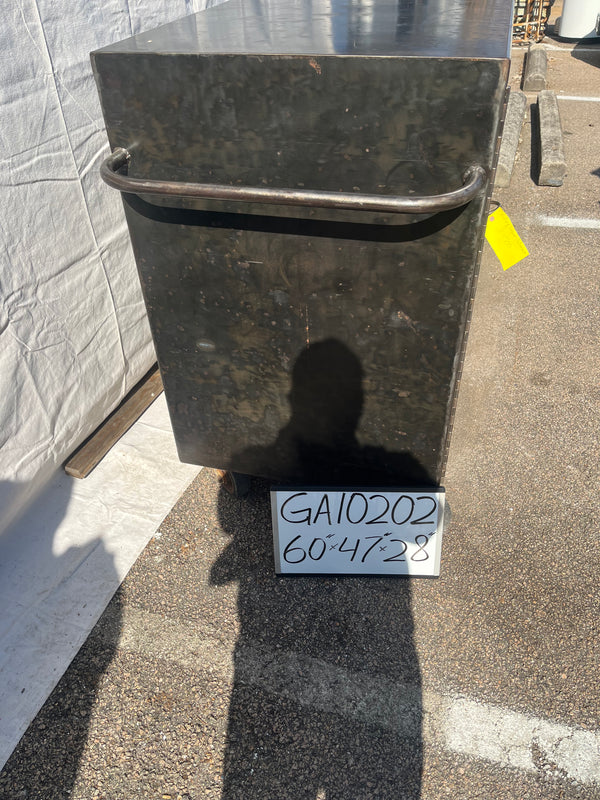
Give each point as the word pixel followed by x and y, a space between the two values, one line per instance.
pixel 73 331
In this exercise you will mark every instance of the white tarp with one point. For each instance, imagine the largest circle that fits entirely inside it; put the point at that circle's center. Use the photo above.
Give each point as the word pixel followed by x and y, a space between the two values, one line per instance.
pixel 73 331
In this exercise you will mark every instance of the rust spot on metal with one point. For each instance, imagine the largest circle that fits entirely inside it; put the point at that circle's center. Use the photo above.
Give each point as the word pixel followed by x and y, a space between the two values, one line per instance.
pixel 315 65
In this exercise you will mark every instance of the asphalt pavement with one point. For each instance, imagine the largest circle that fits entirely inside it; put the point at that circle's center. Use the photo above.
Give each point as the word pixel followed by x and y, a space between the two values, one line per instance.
pixel 210 677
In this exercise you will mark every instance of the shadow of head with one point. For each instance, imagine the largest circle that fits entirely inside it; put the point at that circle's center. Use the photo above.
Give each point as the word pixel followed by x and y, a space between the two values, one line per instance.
pixel 320 444
pixel 326 396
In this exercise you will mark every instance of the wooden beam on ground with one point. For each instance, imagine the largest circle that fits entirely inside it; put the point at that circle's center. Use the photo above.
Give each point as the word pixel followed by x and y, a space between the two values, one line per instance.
pixel 93 450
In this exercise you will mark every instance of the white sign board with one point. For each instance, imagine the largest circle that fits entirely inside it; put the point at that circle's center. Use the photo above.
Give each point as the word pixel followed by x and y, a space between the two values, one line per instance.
pixel 357 532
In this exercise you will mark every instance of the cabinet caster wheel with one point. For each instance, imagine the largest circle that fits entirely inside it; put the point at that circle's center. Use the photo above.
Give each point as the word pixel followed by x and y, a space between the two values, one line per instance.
pixel 236 483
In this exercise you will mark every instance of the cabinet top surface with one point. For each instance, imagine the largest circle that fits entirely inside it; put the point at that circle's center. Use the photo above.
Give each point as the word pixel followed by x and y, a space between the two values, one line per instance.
pixel 479 29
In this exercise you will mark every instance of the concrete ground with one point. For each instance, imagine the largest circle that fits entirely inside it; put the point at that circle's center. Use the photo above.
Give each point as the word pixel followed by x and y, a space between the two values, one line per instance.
pixel 209 677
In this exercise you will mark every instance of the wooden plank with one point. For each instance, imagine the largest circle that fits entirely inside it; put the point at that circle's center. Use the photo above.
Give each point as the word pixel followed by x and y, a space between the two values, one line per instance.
pixel 93 450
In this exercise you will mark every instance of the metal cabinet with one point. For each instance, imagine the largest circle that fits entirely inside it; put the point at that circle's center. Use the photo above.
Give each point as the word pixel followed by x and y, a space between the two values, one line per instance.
pixel 305 185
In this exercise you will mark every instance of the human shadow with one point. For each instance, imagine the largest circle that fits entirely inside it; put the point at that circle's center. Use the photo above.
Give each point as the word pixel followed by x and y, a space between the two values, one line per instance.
pixel 326 701
pixel 46 586
pixel 319 446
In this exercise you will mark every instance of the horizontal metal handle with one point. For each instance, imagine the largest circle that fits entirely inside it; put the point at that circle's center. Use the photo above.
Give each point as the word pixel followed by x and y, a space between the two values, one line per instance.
pixel 474 180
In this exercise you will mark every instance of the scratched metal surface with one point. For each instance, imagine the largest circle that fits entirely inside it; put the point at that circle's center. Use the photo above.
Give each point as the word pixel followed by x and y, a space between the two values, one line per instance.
pixel 306 345
pixel 441 28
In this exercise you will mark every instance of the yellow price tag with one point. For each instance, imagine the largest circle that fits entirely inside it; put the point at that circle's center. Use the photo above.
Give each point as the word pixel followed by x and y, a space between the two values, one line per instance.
pixel 504 240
